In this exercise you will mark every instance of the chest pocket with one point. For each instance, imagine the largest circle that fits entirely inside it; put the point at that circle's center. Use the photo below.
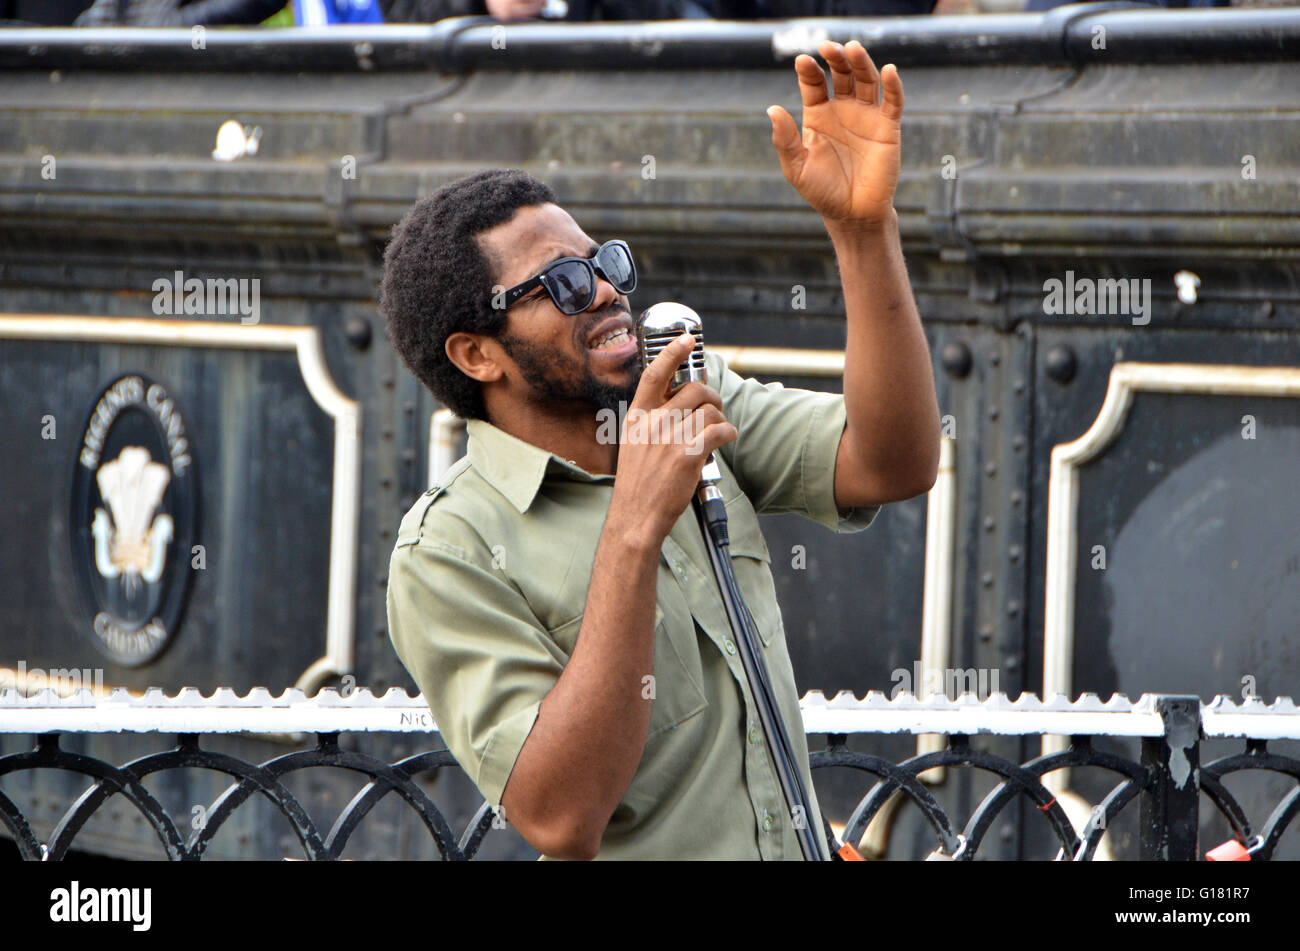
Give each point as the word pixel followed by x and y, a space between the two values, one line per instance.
pixel 752 563
pixel 678 694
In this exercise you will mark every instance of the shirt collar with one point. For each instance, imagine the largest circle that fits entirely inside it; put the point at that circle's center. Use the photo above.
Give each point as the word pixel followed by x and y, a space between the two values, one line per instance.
pixel 513 467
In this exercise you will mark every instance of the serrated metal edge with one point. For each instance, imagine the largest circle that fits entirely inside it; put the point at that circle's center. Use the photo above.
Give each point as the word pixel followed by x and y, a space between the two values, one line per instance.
pixel 843 700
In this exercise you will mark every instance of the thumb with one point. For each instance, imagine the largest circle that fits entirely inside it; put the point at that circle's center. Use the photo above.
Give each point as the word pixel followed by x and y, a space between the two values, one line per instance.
pixel 788 142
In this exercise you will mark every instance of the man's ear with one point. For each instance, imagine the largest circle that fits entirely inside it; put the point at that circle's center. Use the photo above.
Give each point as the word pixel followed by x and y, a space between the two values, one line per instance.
pixel 477 356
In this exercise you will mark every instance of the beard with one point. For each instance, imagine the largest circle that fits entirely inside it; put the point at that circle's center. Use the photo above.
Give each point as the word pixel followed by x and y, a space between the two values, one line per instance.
pixel 550 378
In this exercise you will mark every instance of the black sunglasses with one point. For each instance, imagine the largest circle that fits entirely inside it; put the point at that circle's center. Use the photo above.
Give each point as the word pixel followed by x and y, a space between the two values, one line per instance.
pixel 571 282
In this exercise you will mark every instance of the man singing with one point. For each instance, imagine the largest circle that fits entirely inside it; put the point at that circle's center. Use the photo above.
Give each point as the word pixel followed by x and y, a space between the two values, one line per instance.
pixel 553 597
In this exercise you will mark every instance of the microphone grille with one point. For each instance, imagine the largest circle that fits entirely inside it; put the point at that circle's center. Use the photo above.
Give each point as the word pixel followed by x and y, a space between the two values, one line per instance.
pixel 661 324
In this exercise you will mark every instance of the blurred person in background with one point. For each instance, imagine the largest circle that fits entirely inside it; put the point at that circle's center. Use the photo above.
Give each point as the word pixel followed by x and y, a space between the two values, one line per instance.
pixel 177 12
pixel 328 12
pixel 1037 6
pixel 791 9
pixel 427 11
pixel 40 12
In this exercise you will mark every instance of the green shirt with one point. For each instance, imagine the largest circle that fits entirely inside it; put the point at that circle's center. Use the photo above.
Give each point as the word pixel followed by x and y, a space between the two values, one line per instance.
pixel 488 585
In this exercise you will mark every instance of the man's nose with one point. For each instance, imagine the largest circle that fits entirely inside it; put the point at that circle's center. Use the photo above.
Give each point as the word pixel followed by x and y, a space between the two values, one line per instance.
pixel 606 294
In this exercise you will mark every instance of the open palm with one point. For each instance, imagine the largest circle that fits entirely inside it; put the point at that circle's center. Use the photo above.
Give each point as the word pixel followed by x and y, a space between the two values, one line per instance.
pixel 845 164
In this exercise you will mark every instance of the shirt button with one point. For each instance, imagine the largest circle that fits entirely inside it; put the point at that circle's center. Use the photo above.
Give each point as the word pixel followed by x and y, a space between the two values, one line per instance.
pixel 768 822
pixel 753 735
pixel 731 646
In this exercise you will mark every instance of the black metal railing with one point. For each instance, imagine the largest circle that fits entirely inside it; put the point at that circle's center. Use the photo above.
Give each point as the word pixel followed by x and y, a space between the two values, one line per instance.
pixel 1167 779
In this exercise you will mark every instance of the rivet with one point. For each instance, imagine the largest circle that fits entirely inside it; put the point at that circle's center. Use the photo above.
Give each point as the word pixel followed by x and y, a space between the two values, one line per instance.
pixel 357 330
pixel 1061 364
pixel 955 359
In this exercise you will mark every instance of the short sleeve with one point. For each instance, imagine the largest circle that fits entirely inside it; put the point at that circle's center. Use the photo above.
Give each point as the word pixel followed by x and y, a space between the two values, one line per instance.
pixel 477 652
pixel 784 454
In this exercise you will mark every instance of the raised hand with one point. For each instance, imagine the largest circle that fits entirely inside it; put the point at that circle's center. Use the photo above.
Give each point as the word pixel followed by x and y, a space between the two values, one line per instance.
pixel 845 164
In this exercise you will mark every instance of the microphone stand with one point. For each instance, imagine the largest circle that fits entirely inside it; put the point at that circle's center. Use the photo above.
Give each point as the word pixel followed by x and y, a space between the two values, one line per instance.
pixel 712 515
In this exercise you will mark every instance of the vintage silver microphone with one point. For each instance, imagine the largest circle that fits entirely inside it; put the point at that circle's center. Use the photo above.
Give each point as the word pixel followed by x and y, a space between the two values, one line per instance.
pixel 657 327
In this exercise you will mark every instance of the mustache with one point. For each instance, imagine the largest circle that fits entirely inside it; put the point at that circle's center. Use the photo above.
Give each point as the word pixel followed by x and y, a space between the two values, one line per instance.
pixel 608 312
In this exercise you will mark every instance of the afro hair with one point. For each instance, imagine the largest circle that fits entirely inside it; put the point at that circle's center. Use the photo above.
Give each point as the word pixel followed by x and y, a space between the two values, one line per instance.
pixel 437 280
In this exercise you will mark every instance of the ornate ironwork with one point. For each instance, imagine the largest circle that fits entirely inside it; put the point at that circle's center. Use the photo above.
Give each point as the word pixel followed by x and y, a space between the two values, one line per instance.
pixel 1165 781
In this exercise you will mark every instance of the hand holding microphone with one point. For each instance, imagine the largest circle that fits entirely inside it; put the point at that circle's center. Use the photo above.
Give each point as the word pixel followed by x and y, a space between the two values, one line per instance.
pixel 669 435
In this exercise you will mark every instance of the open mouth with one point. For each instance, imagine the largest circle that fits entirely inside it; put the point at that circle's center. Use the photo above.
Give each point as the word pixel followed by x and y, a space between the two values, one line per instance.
pixel 614 340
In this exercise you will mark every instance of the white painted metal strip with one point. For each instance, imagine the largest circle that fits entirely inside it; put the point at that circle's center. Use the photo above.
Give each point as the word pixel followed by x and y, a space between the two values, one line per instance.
pixel 361 711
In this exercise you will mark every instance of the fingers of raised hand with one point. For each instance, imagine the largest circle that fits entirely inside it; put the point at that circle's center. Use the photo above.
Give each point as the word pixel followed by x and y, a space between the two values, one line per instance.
pixel 841 70
pixel 865 78
pixel 852 73
pixel 893 86
pixel 812 81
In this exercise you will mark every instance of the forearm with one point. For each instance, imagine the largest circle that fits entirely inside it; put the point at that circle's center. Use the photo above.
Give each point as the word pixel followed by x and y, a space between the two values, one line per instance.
pixel 587 742
pixel 892 414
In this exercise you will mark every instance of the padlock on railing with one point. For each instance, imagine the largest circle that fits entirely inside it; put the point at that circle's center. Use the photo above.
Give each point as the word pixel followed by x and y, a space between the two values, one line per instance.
pixel 1234 851
pixel 939 855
